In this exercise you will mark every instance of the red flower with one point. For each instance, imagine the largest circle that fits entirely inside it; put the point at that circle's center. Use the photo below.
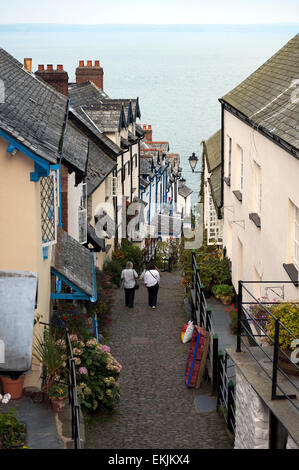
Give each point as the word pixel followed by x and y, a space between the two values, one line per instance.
pixel 75 318
pixel 83 316
pixel 64 318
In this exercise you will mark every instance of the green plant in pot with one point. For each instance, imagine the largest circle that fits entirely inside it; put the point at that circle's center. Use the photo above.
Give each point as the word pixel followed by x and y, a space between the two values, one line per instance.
pixel 48 350
pixel 224 292
pixel 58 394
pixel 288 315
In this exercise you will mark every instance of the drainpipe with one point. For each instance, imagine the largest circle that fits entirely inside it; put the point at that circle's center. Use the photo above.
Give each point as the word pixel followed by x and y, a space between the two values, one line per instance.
pixel 222 162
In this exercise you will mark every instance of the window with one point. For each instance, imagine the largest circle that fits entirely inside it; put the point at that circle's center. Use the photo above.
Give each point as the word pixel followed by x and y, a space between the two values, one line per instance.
pixel 229 162
pixel 108 187
pixel 258 189
pixel 82 214
pixel 129 168
pixel 241 168
pixel 136 160
pixel 114 185
pixel 49 200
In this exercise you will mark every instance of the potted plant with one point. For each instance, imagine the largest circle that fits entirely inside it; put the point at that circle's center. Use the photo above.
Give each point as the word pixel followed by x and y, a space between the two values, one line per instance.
pixel 51 353
pixel 224 292
pixel 12 383
pixel 287 313
pixel 58 394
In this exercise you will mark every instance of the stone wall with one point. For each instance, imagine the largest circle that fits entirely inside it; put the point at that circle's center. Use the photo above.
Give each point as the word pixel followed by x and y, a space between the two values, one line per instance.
pixel 252 417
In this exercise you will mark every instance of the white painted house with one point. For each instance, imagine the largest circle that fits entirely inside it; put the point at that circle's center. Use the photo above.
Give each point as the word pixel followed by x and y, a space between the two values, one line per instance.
pixel 260 196
pixel 213 216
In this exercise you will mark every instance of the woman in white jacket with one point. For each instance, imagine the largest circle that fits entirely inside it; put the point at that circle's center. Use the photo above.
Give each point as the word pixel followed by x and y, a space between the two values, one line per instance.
pixel 151 280
pixel 128 277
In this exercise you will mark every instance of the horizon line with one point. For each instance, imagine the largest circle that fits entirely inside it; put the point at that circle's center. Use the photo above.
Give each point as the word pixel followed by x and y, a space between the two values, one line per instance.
pixel 153 24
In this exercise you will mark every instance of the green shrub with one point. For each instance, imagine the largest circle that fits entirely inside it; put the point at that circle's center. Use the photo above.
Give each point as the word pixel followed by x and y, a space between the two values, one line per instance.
pixel 97 374
pixel 223 290
pixel 128 252
pixel 113 268
pixel 12 431
pixel 288 314
pixel 234 322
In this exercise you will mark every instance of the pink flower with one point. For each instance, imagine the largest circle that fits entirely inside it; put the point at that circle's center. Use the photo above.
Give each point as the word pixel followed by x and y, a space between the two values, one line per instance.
pixel 83 370
pixel 106 348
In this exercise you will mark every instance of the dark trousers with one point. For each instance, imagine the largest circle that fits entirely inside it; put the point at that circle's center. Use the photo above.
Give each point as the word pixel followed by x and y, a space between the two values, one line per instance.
pixel 129 297
pixel 152 295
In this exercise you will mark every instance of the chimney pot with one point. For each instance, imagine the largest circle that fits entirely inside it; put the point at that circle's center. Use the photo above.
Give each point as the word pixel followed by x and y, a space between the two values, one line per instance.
pixel 96 63
pixel 28 64
pixel 41 67
pixel 89 63
pixel 149 127
pixel 81 63
pixel 59 67
pixel 49 67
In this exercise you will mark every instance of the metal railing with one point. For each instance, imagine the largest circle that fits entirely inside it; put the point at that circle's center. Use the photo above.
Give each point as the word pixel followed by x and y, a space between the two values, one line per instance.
pixel 280 380
pixel 218 365
pixel 72 387
pixel 73 396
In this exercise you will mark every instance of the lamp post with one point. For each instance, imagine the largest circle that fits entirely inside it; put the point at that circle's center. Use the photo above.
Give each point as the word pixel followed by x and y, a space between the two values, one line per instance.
pixel 193 159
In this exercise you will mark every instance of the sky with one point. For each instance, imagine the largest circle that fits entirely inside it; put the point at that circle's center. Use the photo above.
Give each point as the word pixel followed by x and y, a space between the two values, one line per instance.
pixel 150 12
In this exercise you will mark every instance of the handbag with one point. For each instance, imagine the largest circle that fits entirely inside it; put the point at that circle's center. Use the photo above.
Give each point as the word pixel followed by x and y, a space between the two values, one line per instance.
pixel 136 286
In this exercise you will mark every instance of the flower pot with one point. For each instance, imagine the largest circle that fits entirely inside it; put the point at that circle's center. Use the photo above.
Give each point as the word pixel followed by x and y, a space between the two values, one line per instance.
pixel 286 364
pixel 58 404
pixel 14 387
pixel 226 299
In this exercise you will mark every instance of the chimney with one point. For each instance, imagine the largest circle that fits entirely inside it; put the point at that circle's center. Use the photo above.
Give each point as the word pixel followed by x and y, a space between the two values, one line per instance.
pixel 28 64
pixel 90 72
pixel 58 78
pixel 148 133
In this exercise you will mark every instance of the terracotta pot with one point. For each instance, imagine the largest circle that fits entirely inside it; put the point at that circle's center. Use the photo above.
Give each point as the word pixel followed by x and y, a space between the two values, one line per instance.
pixel 14 387
pixel 226 300
pixel 286 364
pixel 58 405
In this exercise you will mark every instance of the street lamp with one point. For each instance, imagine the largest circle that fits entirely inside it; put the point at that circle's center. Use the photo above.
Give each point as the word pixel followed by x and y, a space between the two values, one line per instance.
pixel 193 162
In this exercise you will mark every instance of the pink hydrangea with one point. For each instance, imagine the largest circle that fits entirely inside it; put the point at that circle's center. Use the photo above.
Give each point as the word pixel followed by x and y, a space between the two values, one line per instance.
pixel 106 348
pixel 83 370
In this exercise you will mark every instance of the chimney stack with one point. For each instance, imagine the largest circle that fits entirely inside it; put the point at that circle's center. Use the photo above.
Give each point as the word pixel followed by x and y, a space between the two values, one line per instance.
pixel 58 78
pixel 148 132
pixel 28 64
pixel 90 72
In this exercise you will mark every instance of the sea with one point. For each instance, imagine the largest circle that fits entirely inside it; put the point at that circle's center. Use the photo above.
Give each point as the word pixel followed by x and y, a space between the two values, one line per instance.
pixel 178 76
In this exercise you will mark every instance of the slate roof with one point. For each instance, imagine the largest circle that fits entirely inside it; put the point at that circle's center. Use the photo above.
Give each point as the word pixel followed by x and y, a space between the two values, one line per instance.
pixel 73 261
pixel 144 182
pixel 81 118
pixel 102 109
pixel 163 146
pixel 215 185
pixel 98 243
pixel 33 112
pixel 212 150
pixel 107 117
pixel 184 190
pixel 99 165
pixel 266 97
pixel 146 166
pixel 75 148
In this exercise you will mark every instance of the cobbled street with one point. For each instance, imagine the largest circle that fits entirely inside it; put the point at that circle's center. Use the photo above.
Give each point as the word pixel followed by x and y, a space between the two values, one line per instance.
pixel 156 409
